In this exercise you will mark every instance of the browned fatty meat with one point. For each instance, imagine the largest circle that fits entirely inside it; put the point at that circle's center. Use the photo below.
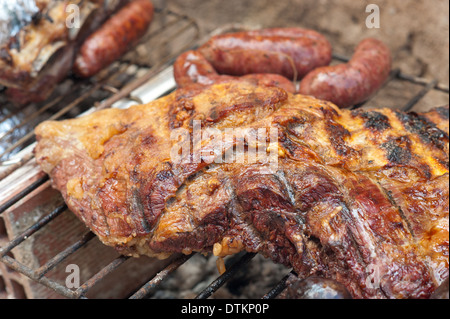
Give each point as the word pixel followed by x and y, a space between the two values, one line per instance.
pixel 356 196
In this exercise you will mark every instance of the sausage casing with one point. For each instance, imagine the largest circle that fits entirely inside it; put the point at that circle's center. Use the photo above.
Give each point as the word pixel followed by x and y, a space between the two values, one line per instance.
pixel 291 52
pixel 353 82
pixel 191 68
pixel 114 38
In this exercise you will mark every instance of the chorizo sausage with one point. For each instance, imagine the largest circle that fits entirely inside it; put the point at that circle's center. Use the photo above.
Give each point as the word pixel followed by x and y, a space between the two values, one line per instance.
pixel 354 82
pixel 114 38
pixel 291 52
pixel 191 68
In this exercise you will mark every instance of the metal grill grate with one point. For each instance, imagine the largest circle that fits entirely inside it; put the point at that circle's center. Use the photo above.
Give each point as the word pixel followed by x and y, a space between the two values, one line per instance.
pixel 158 74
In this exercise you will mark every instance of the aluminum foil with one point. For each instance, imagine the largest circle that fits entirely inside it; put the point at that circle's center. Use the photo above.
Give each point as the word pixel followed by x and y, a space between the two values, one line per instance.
pixel 14 15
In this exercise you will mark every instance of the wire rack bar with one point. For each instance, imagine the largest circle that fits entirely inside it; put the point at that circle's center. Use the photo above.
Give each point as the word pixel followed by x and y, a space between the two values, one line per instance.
pixel 222 279
pixel 146 289
pixel 31 230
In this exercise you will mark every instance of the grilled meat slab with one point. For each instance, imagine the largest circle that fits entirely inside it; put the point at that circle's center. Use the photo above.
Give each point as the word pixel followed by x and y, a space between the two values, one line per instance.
pixel 359 196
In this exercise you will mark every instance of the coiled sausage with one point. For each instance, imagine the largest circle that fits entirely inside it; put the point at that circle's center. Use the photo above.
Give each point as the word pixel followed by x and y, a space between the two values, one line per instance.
pixel 353 82
pixel 191 68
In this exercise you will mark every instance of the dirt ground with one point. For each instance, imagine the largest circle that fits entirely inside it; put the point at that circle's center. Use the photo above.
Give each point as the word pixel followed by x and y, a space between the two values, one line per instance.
pixel 417 31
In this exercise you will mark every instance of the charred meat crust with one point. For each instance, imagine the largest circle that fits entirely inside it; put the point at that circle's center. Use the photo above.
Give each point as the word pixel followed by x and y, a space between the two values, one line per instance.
pixel 373 120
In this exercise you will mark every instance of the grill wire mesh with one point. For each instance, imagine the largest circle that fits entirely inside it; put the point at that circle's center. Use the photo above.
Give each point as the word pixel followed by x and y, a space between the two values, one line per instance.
pixel 109 88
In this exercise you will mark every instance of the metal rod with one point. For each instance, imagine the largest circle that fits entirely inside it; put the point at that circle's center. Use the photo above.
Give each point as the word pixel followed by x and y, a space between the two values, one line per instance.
pixel 17 164
pixel 53 117
pixel 52 263
pixel 24 270
pixel 340 57
pixel 175 34
pixel 13 113
pixel 31 117
pixel 163 274
pixel 167 26
pixel 408 106
pixel 220 281
pixel 84 288
pixel 422 81
pixel 30 187
pixel 282 284
pixel 164 27
pixel 32 229
pixel 39 274
pixel 126 90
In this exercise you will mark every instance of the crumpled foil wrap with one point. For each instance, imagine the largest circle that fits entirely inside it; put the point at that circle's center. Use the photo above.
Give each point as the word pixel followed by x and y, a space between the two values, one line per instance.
pixel 14 15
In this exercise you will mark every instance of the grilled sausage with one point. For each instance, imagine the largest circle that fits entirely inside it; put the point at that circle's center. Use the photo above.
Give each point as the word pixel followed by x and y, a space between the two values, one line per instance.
pixel 191 67
pixel 114 38
pixel 353 82
pixel 291 52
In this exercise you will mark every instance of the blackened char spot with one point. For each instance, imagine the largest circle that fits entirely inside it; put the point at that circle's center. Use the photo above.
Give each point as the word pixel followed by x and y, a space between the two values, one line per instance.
pixel 428 132
pixel 398 150
pixel 337 133
pixel 373 120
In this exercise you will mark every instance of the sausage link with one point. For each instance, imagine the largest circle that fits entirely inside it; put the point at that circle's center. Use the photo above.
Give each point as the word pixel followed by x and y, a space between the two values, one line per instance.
pixel 291 52
pixel 192 68
pixel 114 38
pixel 353 82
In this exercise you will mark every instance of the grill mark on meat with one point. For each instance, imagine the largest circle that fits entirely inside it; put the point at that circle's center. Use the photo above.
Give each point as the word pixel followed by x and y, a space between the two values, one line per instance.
pixel 297 150
pixel 324 190
pixel 443 162
pixel 398 150
pixel 250 235
pixel 373 120
pixel 337 134
pixel 425 129
pixel 265 199
pixel 6 56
